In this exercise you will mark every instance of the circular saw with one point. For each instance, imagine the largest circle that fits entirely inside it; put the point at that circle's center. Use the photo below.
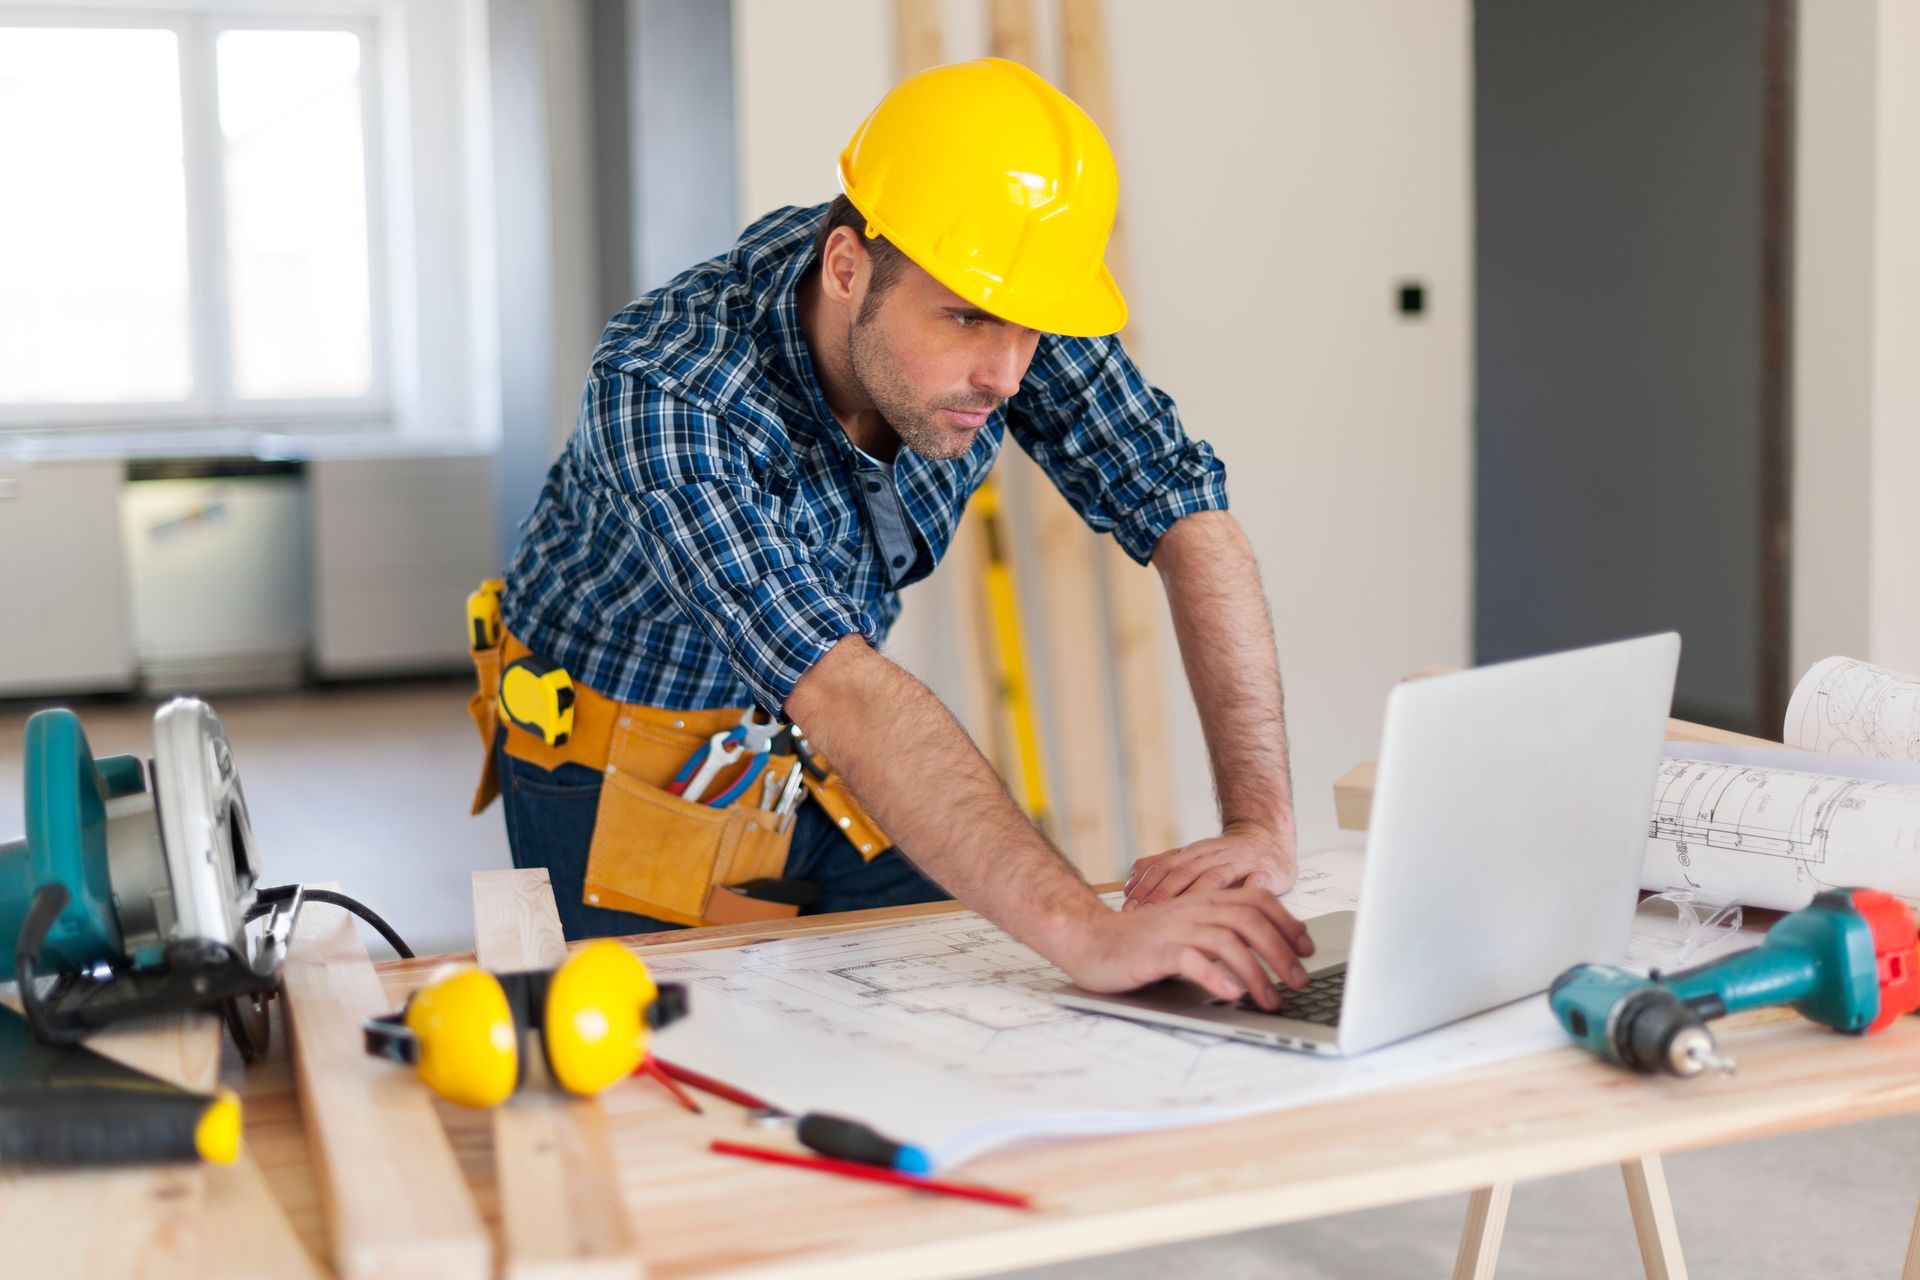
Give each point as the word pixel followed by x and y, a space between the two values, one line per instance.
pixel 134 890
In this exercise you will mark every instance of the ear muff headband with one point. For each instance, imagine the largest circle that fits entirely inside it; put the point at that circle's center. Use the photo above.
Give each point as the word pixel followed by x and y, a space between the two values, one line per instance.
pixel 595 1027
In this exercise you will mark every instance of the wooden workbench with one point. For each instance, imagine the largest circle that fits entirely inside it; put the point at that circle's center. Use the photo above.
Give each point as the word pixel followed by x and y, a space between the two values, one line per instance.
pixel 698 1214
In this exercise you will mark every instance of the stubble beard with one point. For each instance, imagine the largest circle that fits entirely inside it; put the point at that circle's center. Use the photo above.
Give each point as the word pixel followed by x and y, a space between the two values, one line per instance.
pixel 917 424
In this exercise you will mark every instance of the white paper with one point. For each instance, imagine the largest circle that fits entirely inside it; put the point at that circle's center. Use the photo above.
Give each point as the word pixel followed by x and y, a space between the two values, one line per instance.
pixel 1776 837
pixel 940 1032
pixel 1846 707
pixel 1866 768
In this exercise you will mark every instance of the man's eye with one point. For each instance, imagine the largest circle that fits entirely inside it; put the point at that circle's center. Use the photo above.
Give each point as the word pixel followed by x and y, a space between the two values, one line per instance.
pixel 965 321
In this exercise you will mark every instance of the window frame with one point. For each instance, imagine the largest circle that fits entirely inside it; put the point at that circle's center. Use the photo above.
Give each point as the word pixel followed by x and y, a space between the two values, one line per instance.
pixel 211 401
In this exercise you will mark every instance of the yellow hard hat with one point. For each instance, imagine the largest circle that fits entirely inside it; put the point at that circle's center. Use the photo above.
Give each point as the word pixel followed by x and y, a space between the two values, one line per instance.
pixel 998 186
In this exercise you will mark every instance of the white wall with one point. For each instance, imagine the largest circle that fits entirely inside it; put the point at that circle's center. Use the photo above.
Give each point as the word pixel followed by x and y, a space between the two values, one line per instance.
pixel 1856 550
pixel 1832 309
pixel 1282 167
pixel 1894 611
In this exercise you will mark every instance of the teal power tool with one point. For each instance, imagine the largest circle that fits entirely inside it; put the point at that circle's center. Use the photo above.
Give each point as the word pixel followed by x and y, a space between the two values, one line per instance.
pixel 1848 961
pixel 135 883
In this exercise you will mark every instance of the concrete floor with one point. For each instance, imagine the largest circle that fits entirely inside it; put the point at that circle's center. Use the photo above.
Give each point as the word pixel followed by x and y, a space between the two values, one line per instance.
pixel 369 785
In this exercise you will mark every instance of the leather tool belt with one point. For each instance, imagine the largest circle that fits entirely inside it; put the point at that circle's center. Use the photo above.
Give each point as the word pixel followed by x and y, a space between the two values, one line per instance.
pixel 654 852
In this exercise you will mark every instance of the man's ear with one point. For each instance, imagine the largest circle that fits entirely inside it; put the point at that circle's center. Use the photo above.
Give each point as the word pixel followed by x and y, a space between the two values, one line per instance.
pixel 843 264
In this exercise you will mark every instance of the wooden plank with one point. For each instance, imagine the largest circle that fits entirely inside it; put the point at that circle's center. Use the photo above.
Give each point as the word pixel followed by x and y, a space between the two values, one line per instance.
pixel 1077 701
pixel 1479 1249
pixel 1135 604
pixel 1538 1116
pixel 148 1221
pixel 161 1220
pixel 916 32
pixel 1353 790
pixel 1910 1269
pixel 1010 32
pixel 560 1207
pixel 397 1204
pixel 248 1233
pixel 1653 1224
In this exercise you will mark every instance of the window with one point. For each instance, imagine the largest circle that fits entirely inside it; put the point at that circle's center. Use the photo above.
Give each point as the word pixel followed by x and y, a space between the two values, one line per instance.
pixel 190 232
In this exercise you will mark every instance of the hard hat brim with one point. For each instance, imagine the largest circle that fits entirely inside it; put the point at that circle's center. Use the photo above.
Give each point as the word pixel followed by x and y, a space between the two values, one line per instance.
pixel 1094 312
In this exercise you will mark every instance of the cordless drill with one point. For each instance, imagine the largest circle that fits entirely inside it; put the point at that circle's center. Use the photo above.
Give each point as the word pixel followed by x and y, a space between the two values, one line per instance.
pixel 1848 962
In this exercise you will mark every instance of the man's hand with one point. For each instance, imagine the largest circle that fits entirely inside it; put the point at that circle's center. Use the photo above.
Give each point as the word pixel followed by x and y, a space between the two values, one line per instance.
pixel 1211 938
pixel 1244 855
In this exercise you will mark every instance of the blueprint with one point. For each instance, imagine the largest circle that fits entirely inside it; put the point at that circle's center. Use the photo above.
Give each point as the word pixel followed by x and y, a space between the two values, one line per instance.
pixel 1847 707
pixel 1772 837
pixel 940 1032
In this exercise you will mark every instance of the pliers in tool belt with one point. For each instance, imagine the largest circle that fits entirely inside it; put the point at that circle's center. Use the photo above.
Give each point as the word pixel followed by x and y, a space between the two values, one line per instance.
pixel 750 738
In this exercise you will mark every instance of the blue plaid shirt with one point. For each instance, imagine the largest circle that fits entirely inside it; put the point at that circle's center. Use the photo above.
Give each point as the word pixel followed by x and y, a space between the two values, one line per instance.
pixel 701 541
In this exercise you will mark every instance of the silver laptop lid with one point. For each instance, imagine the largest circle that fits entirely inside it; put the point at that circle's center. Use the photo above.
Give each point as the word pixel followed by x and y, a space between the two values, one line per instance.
pixel 1508 828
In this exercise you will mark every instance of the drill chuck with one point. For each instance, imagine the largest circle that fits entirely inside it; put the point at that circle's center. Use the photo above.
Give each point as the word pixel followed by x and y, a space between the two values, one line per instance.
pixel 1654 1030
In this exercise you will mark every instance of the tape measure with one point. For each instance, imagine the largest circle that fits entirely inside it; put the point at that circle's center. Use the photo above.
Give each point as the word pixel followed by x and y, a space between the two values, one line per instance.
pixel 538 697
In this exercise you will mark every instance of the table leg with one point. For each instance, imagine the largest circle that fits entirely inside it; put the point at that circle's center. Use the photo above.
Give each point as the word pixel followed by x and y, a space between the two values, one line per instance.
pixel 1911 1271
pixel 1480 1237
pixel 1653 1221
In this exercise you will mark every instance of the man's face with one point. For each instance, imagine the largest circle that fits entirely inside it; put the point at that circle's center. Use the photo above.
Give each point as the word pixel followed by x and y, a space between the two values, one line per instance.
pixel 934 364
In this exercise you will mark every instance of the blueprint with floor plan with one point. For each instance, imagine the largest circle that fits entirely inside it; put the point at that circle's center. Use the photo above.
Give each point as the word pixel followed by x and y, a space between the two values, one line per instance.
pixel 1771 827
pixel 1843 706
pixel 940 1032
pixel 1773 837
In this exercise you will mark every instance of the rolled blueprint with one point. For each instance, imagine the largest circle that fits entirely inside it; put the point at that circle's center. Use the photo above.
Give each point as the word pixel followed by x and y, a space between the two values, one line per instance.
pixel 1775 837
pixel 1846 707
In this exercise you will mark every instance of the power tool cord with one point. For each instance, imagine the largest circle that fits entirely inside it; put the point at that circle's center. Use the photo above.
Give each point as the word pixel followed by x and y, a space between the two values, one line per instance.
pixel 265 899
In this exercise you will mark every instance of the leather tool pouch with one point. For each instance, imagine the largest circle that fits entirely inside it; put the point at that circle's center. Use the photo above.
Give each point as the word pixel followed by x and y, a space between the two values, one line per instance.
pixel 670 858
pixel 482 707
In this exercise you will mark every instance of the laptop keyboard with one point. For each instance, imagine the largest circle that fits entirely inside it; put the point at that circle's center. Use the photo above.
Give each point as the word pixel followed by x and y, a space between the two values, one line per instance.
pixel 1318 1003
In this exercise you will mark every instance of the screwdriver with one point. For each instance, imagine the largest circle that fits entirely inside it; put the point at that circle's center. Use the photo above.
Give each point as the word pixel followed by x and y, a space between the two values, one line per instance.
pixel 845 1139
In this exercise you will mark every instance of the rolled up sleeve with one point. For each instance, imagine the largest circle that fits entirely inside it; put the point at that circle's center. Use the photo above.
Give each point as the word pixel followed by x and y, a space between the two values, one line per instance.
pixel 1112 443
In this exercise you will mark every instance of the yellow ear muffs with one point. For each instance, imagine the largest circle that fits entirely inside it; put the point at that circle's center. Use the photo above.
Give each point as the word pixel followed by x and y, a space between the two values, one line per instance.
pixel 458 1032
pixel 596 1022
pixel 461 1031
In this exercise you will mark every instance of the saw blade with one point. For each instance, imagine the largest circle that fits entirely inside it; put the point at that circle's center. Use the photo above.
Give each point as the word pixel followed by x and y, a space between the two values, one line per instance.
pixel 205 831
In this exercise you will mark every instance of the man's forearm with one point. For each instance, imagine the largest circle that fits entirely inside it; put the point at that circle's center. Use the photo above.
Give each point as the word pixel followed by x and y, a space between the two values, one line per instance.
pixel 1226 644
pixel 921 777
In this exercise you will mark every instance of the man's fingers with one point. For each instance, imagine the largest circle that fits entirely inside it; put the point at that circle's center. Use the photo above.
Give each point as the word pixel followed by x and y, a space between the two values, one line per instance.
pixel 1143 865
pixel 1184 878
pixel 1142 891
pixel 1272 881
pixel 1229 949
pixel 1268 943
pixel 1196 967
pixel 1295 931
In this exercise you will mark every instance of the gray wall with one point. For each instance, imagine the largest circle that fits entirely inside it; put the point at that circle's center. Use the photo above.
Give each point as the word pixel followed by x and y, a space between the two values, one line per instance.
pixel 1617 188
pixel 664 92
pixel 523 234
pixel 613 163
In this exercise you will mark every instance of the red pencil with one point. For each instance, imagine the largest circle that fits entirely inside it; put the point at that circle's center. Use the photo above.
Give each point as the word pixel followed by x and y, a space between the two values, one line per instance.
pixel 872 1173
pixel 707 1084
pixel 653 1068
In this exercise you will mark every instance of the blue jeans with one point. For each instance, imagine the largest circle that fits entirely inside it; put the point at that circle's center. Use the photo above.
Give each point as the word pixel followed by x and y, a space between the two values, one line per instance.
pixel 550 816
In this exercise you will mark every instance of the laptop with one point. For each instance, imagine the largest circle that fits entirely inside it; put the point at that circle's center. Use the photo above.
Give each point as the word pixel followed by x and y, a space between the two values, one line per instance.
pixel 1508 828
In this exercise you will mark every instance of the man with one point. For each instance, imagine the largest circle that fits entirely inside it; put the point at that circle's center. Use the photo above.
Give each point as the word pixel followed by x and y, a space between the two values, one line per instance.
pixel 735 512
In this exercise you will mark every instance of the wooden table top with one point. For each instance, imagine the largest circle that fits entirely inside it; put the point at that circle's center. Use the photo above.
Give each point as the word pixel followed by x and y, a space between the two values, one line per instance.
pixel 699 1214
